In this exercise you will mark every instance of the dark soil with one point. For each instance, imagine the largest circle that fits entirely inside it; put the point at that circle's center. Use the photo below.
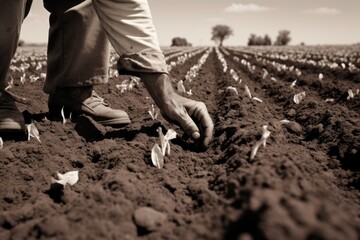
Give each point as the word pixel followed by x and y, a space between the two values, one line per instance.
pixel 304 185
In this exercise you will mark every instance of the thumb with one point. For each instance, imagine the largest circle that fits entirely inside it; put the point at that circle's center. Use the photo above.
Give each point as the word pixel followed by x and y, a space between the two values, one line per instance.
pixel 189 126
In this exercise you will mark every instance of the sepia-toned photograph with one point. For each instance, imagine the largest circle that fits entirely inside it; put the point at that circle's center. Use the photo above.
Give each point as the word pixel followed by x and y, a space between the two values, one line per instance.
pixel 179 120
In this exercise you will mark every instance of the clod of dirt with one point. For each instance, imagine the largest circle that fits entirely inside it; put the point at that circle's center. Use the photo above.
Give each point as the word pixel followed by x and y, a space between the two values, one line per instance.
pixel 6 153
pixel 148 219
pixel 294 127
pixel 291 113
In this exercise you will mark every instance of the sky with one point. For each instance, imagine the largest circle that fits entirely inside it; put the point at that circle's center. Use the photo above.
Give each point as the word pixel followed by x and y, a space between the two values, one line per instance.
pixel 310 21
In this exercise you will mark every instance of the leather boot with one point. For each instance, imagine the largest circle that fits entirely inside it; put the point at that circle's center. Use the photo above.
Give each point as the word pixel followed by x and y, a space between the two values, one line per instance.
pixel 84 100
pixel 11 119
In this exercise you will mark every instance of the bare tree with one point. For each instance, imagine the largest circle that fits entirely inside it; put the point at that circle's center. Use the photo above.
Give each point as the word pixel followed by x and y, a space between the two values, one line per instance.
pixel 220 33
pixel 283 38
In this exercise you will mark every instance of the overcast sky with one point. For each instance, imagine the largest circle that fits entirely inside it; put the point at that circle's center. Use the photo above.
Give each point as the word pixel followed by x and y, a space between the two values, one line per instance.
pixel 310 21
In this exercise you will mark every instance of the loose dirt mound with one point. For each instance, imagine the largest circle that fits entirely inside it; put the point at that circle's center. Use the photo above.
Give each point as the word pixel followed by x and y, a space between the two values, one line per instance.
pixel 303 185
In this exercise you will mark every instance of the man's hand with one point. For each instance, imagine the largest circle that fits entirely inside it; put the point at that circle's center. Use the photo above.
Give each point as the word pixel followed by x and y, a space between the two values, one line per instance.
pixel 191 115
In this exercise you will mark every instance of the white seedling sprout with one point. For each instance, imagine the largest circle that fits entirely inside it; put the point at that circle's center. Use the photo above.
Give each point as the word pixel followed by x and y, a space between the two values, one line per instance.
pixel 257 99
pixel 165 140
pixel 22 78
pixel 153 113
pixel 284 121
pixel 1 143
pixel 156 156
pixel 293 84
pixel 351 94
pixel 10 83
pixel 357 91
pixel 189 92
pixel 265 73
pixel 122 87
pixel 181 87
pixel 321 76
pixel 157 152
pixel 63 116
pixel 329 100
pixel 67 178
pixel 33 78
pixel 33 132
pixel 233 89
pixel 127 84
pixel 43 76
pixel 262 141
pixel 273 79
pixel 39 66
pixel 299 97
pixel 247 91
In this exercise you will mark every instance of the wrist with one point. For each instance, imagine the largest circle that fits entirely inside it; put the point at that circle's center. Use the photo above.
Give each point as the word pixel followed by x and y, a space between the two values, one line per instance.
pixel 159 87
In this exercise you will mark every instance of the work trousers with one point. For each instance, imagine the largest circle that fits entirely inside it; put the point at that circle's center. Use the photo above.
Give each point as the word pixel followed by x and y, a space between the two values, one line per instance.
pixel 79 40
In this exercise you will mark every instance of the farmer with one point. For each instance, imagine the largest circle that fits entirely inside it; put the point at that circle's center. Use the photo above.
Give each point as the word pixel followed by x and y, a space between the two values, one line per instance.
pixel 78 58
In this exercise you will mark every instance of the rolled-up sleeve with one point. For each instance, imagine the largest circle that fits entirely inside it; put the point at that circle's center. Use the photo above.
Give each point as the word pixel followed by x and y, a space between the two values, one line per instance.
pixel 130 29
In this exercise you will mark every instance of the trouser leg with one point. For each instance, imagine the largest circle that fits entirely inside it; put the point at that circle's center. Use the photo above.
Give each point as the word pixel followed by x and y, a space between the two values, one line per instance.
pixel 130 29
pixel 78 49
pixel 12 14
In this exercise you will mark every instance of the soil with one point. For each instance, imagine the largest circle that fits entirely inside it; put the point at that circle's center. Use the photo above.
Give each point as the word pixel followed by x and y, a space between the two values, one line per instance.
pixel 303 185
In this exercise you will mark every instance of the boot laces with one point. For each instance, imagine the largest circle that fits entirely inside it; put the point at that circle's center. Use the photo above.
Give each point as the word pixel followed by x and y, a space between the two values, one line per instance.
pixel 95 100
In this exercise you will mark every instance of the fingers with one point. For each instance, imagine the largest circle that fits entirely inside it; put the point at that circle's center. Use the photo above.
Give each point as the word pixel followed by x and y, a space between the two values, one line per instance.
pixel 188 125
pixel 200 114
pixel 193 118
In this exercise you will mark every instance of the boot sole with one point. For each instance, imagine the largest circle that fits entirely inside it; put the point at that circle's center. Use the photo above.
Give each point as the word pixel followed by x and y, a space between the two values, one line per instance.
pixel 56 116
pixel 11 127
pixel 115 122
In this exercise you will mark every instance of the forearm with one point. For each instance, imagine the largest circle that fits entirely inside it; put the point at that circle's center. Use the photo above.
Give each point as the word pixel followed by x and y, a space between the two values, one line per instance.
pixel 159 87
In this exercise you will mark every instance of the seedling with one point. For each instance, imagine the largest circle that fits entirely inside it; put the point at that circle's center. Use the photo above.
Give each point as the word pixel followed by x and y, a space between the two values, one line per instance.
pixel 67 178
pixel 153 113
pixel 293 84
pixel 233 89
pixel 165 140
pixel 299 97
pixel 265 73
pixel 351 94
pixel 158 153
pixel 1 143
pixel 247 91
pixel 284 121
pixel 156 156
pixel 262 141
pixel 22 78
pixel 63 116
pixel 127 85
pixel 10 83
pixel 181 87
pixel 257 99
pixel 33 132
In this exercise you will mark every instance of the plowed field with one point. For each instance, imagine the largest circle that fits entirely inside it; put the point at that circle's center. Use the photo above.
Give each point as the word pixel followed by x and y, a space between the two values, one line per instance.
pixel 303 185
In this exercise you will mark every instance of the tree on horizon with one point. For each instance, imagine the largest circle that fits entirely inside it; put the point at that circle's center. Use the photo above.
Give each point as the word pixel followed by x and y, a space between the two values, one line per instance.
pixel 283 38
pixel 220 33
